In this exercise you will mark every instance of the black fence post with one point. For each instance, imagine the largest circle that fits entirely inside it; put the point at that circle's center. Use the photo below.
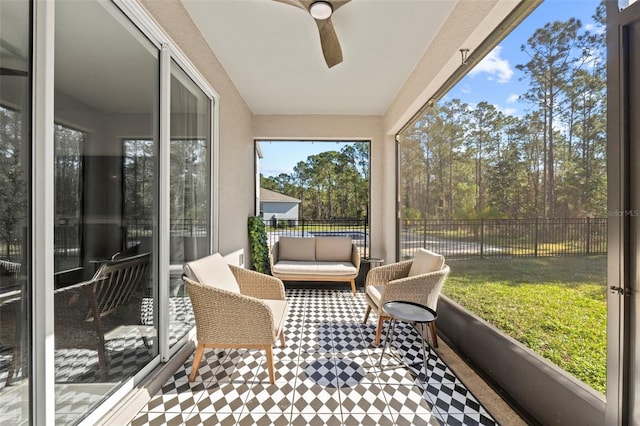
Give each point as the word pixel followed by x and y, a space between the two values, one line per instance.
pixel 588 235
pixel 535 239
pixel 366 248
pixel 302 220
pixel 481 238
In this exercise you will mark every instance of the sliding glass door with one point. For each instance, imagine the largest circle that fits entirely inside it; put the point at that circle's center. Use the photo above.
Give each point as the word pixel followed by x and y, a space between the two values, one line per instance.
pixel 15 205
pixel 107 197
pixel 190 192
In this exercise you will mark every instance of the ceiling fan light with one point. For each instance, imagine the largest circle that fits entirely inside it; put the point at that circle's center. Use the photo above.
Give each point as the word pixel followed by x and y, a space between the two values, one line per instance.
pixel 321 10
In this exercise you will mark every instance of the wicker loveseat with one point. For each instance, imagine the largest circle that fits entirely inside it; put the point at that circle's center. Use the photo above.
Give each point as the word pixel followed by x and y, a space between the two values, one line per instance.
pixel 316 259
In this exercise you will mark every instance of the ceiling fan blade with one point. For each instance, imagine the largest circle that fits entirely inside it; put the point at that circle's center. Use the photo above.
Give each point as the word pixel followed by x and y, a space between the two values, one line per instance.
pixel 337 4
pixel 329 40
pixel 331 49
pixel 295 3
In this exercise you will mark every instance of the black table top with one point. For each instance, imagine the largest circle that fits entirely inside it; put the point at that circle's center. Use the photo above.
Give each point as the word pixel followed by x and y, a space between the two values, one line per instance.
pixel 410 312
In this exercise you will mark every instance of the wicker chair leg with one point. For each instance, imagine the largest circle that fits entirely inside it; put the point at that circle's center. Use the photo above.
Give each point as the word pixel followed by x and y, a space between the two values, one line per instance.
pixel 434 335
pixel 196 361
pixel 366 314
pixel 353 286
pixel 379 329
pixel 270 366
pixel 283 343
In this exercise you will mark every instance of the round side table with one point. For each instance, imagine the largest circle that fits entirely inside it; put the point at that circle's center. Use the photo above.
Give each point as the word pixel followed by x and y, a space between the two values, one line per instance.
pixel 412 313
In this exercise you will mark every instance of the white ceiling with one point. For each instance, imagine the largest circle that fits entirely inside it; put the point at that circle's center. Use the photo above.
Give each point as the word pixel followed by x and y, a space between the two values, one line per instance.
pixel 272 52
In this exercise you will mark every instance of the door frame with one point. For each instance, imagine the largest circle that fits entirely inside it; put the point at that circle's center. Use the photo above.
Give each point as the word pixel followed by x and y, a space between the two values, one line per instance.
pixel 623 274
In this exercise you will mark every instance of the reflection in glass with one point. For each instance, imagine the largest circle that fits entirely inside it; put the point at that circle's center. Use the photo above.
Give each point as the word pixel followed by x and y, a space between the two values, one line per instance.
pixel 68 187
pixel 190 182
pixel 104 295
pixel 15 171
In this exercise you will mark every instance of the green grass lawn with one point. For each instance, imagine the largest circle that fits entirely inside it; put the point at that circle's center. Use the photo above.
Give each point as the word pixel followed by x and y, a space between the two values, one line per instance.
pixel 554 305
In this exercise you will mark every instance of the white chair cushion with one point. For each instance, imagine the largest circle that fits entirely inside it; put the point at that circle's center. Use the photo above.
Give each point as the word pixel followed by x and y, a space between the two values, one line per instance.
pixel 214 271
pixel 375 293
pixel 295 248
pixel 279 309
pixel 426 261
pixel 333 249
pixel 314 269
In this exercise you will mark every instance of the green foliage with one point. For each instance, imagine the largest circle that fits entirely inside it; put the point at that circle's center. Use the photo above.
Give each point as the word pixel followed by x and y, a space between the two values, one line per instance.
pixel 330 184
pixel 463 157
pixel 411 214
pixel 486 213
pixel 259 245
pixel 554 306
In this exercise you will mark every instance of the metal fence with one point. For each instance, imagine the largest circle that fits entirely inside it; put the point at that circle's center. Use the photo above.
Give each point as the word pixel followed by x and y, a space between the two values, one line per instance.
pixel 357 229
pixel 505 237
pixel 453 238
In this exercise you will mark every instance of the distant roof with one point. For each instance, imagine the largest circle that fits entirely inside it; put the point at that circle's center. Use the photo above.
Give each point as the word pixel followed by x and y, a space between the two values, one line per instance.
pixel 276 197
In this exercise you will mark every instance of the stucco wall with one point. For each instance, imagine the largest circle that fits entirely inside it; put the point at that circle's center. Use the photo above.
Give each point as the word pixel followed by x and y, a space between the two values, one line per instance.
pixel 235 174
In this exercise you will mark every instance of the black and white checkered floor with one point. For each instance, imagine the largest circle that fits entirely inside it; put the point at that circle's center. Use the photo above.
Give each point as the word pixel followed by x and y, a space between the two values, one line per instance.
pixel 327 374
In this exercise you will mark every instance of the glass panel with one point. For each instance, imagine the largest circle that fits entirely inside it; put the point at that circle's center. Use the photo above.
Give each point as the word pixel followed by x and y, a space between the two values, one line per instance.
pixel 68 187
pixel 15 172
pixel 190 183
pixel 106 93
pixel 506 174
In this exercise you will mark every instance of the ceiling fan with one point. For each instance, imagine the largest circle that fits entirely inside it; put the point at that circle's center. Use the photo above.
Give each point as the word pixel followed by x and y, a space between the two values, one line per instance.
pixel 321 11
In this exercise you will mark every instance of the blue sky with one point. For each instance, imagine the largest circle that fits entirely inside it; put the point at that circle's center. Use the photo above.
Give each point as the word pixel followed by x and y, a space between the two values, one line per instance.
pixel 495 80
pixel 282 156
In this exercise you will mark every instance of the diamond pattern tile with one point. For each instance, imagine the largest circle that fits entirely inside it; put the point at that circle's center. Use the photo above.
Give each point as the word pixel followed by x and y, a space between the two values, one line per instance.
pixel 326 375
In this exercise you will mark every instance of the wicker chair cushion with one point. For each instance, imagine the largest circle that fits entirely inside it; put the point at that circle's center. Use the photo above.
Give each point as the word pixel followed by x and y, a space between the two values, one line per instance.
pixel 333 249
pixel 426 261
pixel 214 271
pixel 279 311
pixel 375 293
pixel 295 248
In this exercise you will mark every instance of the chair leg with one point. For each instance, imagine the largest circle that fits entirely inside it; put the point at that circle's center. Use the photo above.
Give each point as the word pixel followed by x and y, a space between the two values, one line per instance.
pixel 366 314
pixel 283 343
pixel 270 366
pixel 434 335
pixel 379 329
pixel 353 286
pixel 196 361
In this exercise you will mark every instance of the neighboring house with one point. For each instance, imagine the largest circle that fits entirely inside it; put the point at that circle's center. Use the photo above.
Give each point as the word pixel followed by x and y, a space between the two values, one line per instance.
pixel 276 205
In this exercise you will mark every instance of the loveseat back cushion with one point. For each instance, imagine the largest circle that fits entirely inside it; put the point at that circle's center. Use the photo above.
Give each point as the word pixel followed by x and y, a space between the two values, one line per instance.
pixel 214 271
pixel 426 261
pixel 297 248
pixel 333 249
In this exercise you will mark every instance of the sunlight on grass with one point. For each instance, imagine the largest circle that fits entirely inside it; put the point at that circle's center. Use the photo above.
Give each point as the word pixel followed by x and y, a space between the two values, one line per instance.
pixel 556 306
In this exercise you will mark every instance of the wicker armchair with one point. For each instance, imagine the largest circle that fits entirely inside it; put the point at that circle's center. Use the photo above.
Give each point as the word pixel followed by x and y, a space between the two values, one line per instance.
pixel 234 308
pixel 417 280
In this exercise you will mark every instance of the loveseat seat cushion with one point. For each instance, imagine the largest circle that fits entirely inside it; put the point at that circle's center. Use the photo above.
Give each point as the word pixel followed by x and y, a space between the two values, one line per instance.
pixel 314 269
pixel 297 248
pixel 333 249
